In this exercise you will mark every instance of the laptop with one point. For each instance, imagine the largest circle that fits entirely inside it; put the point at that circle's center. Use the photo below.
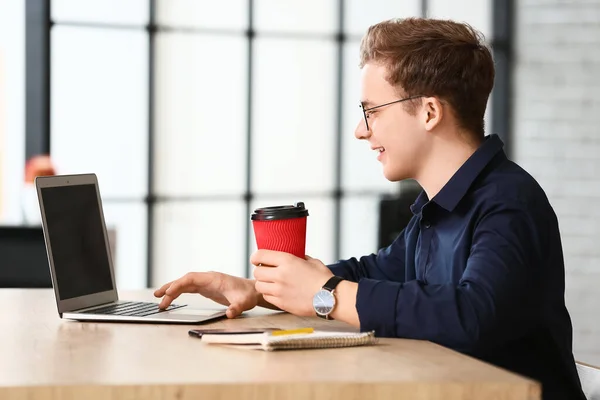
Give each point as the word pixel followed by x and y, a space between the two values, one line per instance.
pixel 81 267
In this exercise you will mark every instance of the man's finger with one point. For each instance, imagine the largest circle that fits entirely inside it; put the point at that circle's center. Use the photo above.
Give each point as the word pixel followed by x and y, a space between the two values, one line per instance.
pixel 189 283
pixel 166 301
pixel 276 301
pixel 266 288
pixel 167 286
pixel 160 292
pixel 233 311
pixel 270 257
pixel 266 274
pixel 176 290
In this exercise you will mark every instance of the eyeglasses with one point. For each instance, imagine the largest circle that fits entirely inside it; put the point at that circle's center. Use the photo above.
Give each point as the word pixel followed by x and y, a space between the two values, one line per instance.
pixel 365 110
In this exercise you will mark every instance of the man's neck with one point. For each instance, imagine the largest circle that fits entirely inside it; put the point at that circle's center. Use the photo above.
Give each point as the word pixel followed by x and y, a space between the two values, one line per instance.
pixel 445 158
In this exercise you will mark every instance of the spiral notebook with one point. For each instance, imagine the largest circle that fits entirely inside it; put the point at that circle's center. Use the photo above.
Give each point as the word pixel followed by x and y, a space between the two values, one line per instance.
pixel 270 341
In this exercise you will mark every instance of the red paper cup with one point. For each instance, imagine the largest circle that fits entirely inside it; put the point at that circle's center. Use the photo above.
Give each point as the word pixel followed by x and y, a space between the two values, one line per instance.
pixel 281 228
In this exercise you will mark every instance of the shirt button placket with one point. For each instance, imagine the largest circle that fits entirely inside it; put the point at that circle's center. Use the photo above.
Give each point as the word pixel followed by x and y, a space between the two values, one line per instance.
pixel 424 248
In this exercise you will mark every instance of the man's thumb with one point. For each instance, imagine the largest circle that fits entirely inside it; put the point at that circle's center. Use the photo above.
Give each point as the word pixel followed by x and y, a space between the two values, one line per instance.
pixel 233 311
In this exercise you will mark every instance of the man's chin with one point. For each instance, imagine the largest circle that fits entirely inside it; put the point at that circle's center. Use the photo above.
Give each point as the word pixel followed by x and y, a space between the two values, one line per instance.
pixel 394 175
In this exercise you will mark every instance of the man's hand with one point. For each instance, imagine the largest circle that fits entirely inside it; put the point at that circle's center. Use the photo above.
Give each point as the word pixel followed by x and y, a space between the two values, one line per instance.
pixel 237 293
pixel 289 282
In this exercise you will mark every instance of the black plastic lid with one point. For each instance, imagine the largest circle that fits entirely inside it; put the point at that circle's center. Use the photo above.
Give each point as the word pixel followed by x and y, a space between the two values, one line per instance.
pixel 280 212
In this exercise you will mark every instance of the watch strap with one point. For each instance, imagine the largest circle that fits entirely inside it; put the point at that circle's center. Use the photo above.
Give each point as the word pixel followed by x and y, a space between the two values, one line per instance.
pixel 332 283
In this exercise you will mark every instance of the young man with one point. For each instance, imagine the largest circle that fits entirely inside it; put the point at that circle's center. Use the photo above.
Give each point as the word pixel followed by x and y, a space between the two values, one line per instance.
pixel 479 268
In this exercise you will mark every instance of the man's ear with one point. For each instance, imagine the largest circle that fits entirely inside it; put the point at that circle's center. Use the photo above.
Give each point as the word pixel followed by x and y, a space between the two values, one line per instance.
pixel 432 112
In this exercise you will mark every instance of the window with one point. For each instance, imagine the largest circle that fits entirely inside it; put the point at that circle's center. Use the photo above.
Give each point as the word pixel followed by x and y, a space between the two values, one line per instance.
pixel 193 113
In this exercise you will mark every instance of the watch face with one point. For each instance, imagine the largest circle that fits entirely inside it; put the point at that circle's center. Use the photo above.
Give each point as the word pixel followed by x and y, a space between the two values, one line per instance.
pixel 323 302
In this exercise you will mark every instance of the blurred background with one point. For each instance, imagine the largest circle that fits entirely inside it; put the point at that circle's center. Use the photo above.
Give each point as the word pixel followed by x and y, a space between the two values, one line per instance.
pixel 192 113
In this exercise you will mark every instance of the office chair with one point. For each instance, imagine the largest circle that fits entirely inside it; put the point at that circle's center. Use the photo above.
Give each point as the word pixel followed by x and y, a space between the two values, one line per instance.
pixel 23 259
pixel 590 380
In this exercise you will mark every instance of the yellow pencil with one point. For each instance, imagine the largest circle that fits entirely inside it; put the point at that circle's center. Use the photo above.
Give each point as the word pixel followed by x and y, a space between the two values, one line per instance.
pixel 292 331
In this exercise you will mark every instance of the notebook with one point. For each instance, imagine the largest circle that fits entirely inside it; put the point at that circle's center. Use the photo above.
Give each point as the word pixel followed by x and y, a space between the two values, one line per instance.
pixel 270 341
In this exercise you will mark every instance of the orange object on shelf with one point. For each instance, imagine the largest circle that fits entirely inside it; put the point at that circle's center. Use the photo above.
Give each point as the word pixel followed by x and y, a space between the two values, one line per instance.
pixel 40 165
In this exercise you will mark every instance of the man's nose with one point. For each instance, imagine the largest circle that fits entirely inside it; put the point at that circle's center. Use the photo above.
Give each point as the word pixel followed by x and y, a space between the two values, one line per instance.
pixel 361 131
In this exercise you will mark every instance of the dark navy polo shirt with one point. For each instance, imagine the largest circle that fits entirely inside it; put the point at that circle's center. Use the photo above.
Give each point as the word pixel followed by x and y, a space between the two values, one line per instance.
pixel 479 269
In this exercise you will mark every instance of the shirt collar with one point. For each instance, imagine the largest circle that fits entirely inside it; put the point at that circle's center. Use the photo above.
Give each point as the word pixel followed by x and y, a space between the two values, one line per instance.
pixel 456 188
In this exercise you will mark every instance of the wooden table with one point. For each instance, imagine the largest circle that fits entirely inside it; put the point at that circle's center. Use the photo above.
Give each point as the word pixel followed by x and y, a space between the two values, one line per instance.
pixel 44 357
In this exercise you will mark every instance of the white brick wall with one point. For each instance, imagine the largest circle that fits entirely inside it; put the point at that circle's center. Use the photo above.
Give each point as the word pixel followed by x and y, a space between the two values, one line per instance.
pixel 557 139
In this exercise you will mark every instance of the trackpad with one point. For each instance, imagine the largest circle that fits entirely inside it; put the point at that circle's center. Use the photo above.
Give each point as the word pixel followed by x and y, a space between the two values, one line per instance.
pixel 195 312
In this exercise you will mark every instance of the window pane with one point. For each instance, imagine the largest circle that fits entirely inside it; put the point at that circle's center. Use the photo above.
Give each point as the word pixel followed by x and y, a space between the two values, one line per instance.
pixel 200 114
pixel 12 111
pixel 199 236
pixel 477 13
pixel 129 12
pixel 361 170
pixel 360 226
pixel 313 16
pixel 360 14
pixel 230 14
pixel 293 116
pixel 100 106
pixel 319 226
pixel 128 222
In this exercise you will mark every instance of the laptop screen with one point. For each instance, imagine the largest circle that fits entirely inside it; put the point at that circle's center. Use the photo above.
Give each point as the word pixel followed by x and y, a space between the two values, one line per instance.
pixel 76 236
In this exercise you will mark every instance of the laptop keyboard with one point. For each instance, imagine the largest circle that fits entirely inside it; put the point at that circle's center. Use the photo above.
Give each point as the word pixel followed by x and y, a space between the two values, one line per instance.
pixel 132 309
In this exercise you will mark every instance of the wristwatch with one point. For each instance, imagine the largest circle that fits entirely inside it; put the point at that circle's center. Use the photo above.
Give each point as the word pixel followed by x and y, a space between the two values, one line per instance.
pixel 324 299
